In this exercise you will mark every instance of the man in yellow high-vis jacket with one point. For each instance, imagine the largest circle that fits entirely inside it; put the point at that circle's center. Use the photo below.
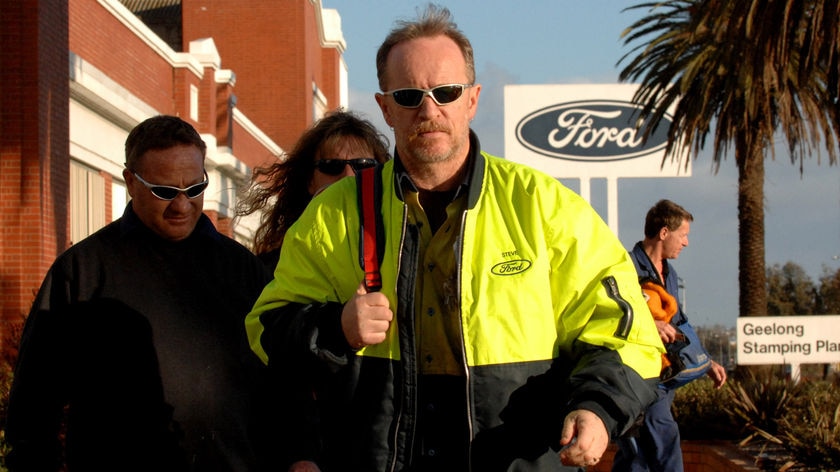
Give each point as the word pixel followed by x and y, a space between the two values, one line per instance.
pixel 510 332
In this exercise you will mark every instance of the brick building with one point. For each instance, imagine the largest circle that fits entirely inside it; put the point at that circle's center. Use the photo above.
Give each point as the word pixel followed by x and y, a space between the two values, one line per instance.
pixel 77 75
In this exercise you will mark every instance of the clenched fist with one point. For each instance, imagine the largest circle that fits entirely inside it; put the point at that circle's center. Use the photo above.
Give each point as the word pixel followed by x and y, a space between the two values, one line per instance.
pixel 585 439
pixel 365 318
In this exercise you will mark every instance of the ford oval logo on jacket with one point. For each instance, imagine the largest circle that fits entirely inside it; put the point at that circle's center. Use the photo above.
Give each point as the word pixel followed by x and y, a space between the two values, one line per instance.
pixel 590 130
pixel 511 267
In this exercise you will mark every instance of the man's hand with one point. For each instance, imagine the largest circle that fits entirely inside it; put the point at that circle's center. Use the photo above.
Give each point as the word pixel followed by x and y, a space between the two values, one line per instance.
pixel 365 318
pixel 717 373
pixel 667 332
pixel 585 439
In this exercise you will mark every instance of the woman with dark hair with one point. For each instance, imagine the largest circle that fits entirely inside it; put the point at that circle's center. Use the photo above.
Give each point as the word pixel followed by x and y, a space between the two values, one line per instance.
pixel 336 146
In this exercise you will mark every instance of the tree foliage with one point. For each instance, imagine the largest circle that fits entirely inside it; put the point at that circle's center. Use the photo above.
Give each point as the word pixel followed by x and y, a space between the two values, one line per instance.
pixel 828 296
pixel 743 72
pixel 790 291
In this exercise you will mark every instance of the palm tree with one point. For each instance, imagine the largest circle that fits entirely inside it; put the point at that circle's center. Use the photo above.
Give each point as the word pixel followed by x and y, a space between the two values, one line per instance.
pixel 752 68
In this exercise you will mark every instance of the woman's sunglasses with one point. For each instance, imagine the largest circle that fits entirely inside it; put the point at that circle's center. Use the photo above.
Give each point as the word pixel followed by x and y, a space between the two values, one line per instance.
pixel 336 166
pixel 166 192
pixel 442 95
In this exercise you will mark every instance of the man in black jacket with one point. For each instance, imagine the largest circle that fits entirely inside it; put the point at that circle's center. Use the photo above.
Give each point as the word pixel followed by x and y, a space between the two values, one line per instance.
pixel 135 342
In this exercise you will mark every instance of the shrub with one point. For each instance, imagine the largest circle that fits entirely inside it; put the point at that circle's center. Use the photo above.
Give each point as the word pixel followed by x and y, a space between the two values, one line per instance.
pixel 698 411
pixel 811 426
pixel 799 421
pixel 758 402
pixel 11 339
pixel 5 384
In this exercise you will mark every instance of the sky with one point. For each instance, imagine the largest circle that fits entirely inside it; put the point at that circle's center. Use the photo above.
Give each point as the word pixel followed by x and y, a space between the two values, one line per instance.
pixel 579 42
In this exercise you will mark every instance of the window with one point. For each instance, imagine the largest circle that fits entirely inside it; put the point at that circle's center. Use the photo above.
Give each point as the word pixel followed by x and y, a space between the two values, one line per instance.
pixel 319 103
pixel 87 201
pixel 193 102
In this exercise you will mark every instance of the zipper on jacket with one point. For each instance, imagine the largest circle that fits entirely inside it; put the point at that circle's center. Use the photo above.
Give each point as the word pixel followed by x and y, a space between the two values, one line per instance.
pixel 626 321
pixel 458 268
pixel 402 405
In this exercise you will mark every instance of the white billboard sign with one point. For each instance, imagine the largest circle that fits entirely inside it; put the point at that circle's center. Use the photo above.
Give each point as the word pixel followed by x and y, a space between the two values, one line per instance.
pixel 584 131
pixel 788 339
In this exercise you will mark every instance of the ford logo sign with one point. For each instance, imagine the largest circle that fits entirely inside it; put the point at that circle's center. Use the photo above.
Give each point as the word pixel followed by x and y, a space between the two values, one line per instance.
pixel 590 130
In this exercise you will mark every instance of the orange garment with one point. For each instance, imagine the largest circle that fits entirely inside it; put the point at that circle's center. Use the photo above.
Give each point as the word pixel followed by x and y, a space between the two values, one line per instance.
pixel 663 306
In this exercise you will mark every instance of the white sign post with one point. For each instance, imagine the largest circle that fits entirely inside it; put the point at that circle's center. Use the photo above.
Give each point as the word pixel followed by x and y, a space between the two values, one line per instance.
pixel 585 131
pixel 791 340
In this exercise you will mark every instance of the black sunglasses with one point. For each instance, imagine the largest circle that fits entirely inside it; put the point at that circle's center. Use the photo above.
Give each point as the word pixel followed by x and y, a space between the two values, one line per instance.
pixel 336 166
pixel 442 95
pixel 166 192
